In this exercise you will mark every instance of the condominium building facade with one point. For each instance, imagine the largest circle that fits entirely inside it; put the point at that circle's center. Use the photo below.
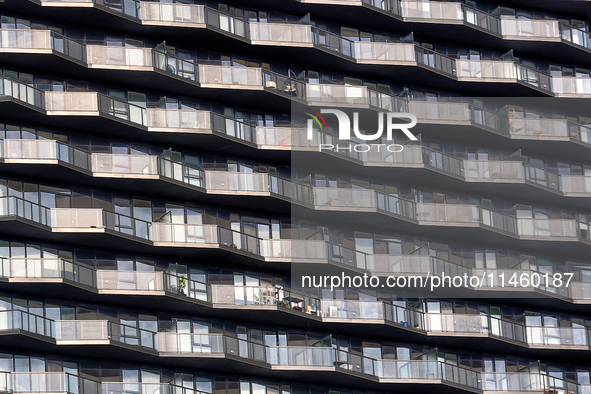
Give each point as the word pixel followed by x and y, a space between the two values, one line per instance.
pixel 162 171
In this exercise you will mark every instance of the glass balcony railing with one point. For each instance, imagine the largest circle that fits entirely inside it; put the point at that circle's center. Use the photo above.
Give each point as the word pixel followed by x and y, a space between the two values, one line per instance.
pixel 494 169
pixel 22 92
pixel 72 102
pixel 180 172
pixel 162 119
pixel 384 51
pixel 185 233
pixel 226 23
pixel 337 94
pixel 559 228
pixel 438 10
pixel 270 295
pixel 229 75
pixel 574 35
pixel 434 60
pixel 175 65
pixel 82 330
pixel 571 85
pixel 89 219
pixel 47 268
pixel 62 382
pixel 14 207
pixel 122 110
pixel 21 320
pixel 102 55
pixel 25 39
pixel 151 281
pixel 51 382
pixel 78 330
pixel 264 296
pixel 222 181
pixel 285 86
pixel 72 218
pixel 530 28
pixel 130 280
pixel 485 69
pixel 172 13
pixel 280 32
pixel 114 164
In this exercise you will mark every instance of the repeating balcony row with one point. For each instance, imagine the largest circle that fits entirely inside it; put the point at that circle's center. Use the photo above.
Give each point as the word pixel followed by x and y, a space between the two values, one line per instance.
pixel 198 121
pixel 157 119
pixel 365 201
pixel 286 250
pixel 142 166
pixel 133 58
pixel 64 382
pixel 309 304
pixel 460 13
pixel 188 345
pixel 199 16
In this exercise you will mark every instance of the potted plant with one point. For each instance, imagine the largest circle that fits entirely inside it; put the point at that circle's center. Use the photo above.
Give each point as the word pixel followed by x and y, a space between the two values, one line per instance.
pixel 182 284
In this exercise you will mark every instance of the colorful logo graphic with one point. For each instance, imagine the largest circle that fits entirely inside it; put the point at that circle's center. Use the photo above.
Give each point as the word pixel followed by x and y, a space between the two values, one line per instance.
pixel 315 116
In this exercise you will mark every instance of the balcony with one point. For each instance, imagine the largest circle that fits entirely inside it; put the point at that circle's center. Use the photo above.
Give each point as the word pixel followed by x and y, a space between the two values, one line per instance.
pixel 222 182
pixel 118 165
pixel 172 14
pixel 283 299
pixel 173 120
pixel 571 86
pixel 77 220
pixel 202 235
pixel 383 52
pixel 160 120
pixel 479 170
pixel 530 29
pixel 129 58
pixel 71 103
pixel 284 34
pixel 552 228
pixel 436 12
pixel 36 41
pixel 238 77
